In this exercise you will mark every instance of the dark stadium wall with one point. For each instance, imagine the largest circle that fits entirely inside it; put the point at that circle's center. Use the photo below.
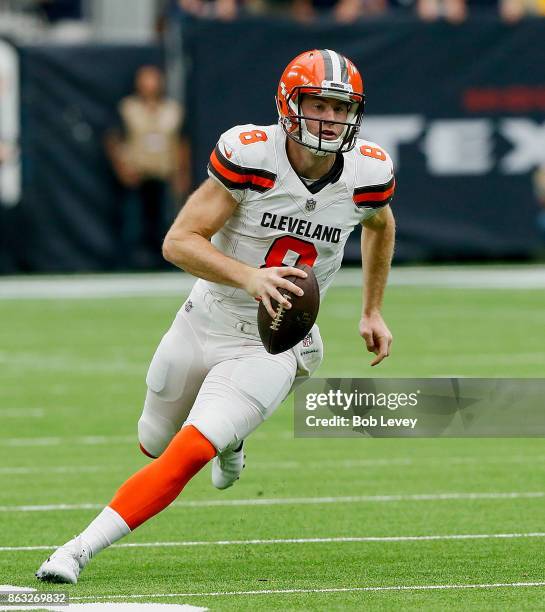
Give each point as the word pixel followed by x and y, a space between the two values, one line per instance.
pixel 70 206
pixel 460 108
pixel 456 106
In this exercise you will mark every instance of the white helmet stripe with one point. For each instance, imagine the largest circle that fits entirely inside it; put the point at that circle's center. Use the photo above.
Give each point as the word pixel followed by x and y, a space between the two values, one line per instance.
pixel 336 64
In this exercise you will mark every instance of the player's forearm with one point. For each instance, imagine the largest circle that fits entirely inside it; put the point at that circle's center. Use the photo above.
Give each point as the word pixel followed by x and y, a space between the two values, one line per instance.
pixel 196 255
pixel 377 249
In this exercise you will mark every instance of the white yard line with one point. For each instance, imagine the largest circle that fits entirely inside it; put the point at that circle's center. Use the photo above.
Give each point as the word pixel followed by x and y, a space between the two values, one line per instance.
pixel 362 463
pixel 95 286
pixel 357 499
pixel 58 440
pixel 456 277
pixel 68 607
pixel 51 507
pixel 179 284
pixel 419 587
pixel 296 501
pixel 22 413
pixel 333 540
pixel 60 469
pixel 292 464
pixel 67 363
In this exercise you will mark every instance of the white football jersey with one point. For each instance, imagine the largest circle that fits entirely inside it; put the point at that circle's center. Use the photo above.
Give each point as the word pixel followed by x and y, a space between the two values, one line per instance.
pixel 279 220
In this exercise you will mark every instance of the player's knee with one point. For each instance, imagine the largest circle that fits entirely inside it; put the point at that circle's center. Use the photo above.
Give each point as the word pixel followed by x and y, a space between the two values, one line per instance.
pixel 154 438
pixel 221 431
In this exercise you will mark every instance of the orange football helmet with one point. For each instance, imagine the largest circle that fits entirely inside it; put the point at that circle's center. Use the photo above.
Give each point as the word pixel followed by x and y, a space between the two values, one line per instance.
pixel 328 74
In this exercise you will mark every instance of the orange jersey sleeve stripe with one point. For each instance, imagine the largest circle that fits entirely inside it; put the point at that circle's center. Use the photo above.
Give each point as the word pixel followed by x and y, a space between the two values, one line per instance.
pixel 235 177
pixel 376 196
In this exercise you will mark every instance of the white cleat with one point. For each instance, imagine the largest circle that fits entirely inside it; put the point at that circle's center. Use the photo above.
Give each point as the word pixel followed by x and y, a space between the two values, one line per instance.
pixel 65 564
pixel 227 466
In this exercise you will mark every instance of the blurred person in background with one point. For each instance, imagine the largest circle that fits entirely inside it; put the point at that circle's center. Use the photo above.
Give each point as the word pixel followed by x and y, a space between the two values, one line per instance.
pixel 457 11
pixel 342 11
pixel 150 159
pixel 307 11
pixel 226 10
pixel 454 11
pixel 512 11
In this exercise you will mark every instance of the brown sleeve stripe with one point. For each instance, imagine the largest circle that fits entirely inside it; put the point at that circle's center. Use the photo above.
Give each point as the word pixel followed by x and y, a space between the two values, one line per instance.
pixel 237 177
pixel 375 196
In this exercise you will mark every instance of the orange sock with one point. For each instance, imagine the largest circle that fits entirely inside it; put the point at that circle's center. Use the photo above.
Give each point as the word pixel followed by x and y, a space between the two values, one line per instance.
pixel 158 484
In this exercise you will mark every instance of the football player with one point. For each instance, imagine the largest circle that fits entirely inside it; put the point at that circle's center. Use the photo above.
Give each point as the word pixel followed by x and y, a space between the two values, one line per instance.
pixel 277 195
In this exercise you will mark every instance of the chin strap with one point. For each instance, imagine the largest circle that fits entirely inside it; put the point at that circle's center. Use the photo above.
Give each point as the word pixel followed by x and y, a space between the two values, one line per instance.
pixel 307 140
pixel 318 152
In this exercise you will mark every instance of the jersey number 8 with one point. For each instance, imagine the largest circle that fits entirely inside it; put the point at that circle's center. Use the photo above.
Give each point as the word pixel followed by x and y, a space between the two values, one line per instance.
pixel 373 152
pixel 252 136
pixel 306 251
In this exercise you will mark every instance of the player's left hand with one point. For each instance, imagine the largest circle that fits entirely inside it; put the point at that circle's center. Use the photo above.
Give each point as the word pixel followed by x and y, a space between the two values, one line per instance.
pixel 377 336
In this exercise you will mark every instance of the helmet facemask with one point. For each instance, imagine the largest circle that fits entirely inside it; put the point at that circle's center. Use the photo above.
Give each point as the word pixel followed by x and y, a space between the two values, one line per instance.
pixel 317 144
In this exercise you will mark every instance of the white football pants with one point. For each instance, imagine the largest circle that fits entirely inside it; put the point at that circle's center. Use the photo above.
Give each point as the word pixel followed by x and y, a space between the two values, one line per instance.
pixel 212 371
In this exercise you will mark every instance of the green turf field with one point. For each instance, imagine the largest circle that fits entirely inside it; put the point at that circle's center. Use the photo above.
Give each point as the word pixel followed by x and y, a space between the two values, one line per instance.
pixel 72 385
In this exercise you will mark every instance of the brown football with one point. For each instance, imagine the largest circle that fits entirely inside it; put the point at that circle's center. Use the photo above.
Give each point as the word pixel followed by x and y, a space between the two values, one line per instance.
pixel 290 325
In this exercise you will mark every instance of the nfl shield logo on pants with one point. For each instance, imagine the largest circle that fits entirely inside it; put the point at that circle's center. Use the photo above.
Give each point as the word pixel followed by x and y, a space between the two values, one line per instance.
pixel 310 205
pixel 307 340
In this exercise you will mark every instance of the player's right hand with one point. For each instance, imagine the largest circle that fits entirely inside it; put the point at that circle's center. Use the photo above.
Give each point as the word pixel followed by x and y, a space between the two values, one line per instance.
pixel 264 284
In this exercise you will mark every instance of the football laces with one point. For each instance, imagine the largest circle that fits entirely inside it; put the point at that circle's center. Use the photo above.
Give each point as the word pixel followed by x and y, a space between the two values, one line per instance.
pixel 280 310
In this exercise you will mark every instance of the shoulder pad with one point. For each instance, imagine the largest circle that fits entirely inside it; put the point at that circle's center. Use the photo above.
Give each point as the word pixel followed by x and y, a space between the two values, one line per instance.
pixel 244 158
pixel 375 183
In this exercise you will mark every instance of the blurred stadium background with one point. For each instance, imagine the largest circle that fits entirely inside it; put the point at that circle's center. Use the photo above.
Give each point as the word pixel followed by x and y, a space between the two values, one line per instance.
pixel 460 107
pixel 456 93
